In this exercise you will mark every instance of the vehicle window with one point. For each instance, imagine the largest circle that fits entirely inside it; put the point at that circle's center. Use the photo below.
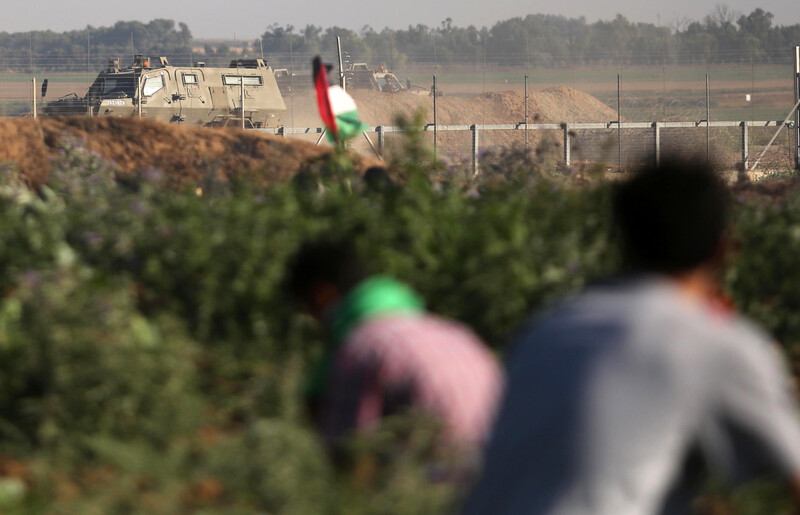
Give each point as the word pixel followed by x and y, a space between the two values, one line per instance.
pixel 235 80
pixel 118 87
pixel 98 87
pixel 152 84
pixel 393 82
pixel 112 85
pixel 189 78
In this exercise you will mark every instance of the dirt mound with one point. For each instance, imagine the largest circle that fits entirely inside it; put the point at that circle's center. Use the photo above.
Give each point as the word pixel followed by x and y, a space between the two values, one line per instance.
pixel 552 105
pixel 185 154
pixel 555 105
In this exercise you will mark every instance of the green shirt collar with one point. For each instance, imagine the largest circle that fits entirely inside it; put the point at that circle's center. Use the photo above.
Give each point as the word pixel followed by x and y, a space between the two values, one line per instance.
pixel 377 295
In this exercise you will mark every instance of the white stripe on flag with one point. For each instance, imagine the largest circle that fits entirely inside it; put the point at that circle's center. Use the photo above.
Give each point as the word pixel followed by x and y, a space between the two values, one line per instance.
pixel 340 101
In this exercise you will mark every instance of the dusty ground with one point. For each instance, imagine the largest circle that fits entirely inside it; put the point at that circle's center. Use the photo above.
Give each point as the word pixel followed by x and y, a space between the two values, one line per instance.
pixel 655 86
pixel 188 152
pixel 783 87
pixel 552 105
pixel 185 154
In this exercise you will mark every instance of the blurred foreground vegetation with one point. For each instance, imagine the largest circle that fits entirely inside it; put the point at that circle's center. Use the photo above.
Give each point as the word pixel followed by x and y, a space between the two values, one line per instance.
pixel 150 362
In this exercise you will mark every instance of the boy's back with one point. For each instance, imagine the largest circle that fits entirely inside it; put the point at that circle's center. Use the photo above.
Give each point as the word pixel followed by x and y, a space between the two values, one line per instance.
pixel 613 394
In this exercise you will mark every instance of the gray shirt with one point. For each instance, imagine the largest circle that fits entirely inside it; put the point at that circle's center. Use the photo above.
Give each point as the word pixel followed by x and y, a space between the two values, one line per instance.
pixel 618 394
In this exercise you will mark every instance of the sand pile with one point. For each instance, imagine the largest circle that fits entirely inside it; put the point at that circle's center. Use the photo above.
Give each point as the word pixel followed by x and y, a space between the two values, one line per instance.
pixel 185 154
pixel 552 105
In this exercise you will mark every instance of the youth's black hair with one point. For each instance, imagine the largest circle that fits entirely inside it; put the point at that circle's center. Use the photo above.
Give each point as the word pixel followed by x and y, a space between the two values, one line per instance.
pixel 671 217
pixel 324 261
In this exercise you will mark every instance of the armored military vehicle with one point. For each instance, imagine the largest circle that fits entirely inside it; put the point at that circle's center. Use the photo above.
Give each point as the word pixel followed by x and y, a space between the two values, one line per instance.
pixel 186 94
pixel 293 82
pixel 359 76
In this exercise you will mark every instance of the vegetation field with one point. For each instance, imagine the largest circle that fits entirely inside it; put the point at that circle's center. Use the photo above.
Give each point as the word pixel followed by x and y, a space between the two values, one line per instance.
pixel 151 362
pixel 604 74
pixel 647 93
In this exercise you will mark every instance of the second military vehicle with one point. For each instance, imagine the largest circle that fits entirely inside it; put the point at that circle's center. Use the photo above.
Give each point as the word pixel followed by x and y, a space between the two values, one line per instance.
pixel 359 76
pixel 187 94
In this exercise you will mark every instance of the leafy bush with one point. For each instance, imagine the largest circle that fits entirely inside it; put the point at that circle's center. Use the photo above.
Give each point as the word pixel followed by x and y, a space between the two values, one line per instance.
pixel 150 360
pixel 764 276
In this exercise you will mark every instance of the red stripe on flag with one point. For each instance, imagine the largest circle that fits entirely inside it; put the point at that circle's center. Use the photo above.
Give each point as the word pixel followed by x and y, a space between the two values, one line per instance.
pixel 323 102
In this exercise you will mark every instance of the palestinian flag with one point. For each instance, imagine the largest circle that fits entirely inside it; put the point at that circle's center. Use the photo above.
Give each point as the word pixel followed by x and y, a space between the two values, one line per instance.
pixel 336 108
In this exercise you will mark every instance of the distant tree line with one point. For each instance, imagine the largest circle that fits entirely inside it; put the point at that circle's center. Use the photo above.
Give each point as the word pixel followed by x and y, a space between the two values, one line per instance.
pixel 723 36
pixel 50 50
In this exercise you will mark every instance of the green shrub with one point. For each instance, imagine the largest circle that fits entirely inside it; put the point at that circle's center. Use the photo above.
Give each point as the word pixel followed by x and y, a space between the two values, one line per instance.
pixel 764 277
pixel 150 360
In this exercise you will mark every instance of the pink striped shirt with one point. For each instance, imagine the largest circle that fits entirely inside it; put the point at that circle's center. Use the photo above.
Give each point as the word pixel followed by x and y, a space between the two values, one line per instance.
pixel 414 360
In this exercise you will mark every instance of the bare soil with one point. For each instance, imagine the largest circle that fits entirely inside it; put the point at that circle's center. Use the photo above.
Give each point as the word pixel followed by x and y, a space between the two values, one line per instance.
pixel 187 155
pixel 551 105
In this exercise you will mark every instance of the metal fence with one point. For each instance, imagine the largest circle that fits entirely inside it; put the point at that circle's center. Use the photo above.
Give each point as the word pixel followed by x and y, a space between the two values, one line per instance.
pixel 612 114
pixel 729 145
pixel 743 90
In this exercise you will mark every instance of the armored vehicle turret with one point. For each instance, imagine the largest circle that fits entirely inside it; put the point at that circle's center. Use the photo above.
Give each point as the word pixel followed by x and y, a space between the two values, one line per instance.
pixel 187 94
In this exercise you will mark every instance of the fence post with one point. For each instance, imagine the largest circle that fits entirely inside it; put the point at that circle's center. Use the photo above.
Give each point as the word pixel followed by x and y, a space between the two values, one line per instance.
pixel 381 139
pixel 526 116
pixel 797 113
pixel 475 148
pixel 708 121
pixel 435 121
pixel 33 95
pixel 567 145
pixel 745 146
pixel 657 142
pixel 619 122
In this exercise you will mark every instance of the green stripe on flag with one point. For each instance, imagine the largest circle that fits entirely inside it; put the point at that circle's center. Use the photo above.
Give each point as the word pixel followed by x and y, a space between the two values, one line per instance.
pixel 349 125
